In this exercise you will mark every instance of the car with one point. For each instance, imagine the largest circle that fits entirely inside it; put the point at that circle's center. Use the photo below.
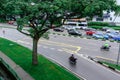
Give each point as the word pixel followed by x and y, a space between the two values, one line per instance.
pixel 74 32
pixel 58 29
pixel 11 22
pixel 69 27
pixel 83 27
pixel 116 38
pixel 112 34
pixel 111 30
pixel 105 28
pixel 90 31
pixel 100 36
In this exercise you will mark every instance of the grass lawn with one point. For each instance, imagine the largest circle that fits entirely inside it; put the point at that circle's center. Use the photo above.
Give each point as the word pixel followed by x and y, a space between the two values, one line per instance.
pixel 112 65
pixel 46 70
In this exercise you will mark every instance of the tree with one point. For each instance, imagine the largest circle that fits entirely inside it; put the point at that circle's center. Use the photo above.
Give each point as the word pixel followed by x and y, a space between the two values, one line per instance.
pixel 41 15
pixel 2 12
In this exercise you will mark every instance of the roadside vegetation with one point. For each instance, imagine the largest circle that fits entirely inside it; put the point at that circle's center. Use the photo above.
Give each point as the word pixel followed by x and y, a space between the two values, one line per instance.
pixel 45 70
pixel 115 66
pixel 100 25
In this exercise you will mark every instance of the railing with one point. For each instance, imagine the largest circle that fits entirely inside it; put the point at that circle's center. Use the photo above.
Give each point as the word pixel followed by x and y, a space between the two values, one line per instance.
pixel 10 69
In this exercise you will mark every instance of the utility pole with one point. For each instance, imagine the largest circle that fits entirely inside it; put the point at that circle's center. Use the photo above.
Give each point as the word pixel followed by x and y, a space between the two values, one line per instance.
pixel 118 55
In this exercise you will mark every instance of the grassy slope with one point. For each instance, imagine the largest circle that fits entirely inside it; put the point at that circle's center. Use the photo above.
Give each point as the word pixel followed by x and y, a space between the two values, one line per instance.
pixel 46 70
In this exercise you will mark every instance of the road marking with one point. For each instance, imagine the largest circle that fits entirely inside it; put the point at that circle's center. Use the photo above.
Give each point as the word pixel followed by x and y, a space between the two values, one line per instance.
pixel 20 41
pixel 60 50
pixel 56 44
pixel 63 44
pixel 52 48
pixel 45 47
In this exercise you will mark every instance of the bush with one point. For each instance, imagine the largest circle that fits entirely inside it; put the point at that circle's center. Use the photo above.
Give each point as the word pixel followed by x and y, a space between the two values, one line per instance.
pixel 98 24
pixel 2 20
pixel 96 27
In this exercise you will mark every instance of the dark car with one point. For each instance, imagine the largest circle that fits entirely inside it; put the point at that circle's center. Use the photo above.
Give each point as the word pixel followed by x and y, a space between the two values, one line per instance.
pixel 105 28
pixel 74 32
pixel 58 29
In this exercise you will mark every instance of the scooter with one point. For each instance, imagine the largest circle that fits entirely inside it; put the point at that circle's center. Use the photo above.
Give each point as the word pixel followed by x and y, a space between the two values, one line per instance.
pixel 72 60
pixel 105 48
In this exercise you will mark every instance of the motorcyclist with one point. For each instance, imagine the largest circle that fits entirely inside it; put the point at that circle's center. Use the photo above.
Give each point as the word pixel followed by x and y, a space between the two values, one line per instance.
pixel 106 46
pixel 72 58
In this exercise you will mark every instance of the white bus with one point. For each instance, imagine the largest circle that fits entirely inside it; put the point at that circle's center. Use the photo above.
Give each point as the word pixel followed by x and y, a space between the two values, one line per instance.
pixel 75 23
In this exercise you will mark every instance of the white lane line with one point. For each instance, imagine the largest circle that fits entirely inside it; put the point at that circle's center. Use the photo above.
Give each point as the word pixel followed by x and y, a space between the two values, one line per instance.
pixel 70 52
pixel 20 41
pixel 52 48
pixel 45 47
pixel 60 50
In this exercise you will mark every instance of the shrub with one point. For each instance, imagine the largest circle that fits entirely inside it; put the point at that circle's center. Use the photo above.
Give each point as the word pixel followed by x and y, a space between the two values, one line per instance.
pixel 98 24
pixel 96 27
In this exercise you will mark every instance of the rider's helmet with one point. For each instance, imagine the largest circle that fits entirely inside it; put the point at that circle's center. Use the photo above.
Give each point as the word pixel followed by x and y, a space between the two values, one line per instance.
pixel 106 44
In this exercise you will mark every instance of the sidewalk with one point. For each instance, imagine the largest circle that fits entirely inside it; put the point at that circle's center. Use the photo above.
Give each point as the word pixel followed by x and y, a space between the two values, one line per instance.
pixel 19 71
pixel 5 25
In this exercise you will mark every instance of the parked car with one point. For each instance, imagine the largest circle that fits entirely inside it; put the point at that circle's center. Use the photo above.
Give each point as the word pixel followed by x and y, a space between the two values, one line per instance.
pixel 69 27
pixel 74 32
pixel 105 28
pixel 116 38
pixel 58 29
pixel 90 31
pixel 100 36
pixel 84 27
pixel 112 34
pixel 11 22
pixel 111 30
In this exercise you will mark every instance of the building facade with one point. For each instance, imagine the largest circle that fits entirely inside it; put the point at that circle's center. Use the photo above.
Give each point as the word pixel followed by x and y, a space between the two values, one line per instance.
pixel 109 16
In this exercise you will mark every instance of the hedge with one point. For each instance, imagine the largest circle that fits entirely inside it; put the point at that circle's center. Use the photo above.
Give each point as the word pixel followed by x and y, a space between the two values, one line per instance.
pixel 98 24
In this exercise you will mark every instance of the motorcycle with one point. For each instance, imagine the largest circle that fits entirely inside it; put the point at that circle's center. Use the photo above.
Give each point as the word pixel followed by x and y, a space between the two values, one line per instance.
pixel 72 60
pixel 105 48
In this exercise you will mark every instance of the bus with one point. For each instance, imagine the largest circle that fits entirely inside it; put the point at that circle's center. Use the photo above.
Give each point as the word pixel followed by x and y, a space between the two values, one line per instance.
pixel 75 23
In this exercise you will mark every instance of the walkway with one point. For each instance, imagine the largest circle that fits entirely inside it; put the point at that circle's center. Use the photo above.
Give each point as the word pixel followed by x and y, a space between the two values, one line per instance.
pixel 20 72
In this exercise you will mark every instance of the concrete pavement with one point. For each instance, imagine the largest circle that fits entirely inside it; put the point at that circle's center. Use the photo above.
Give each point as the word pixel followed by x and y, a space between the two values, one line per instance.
pixel 19 71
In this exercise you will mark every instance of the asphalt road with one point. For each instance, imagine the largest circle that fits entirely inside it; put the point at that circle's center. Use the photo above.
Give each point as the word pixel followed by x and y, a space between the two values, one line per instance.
pixel 90 47
pixel 59 48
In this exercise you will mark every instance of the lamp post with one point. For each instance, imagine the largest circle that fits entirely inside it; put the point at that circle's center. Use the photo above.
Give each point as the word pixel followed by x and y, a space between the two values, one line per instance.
pixel 118 55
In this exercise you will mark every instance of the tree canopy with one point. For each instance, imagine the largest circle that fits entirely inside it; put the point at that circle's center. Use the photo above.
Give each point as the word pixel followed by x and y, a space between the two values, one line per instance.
pixel 40 15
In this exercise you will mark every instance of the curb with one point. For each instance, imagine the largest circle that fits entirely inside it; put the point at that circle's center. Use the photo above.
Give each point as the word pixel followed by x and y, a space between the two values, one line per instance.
pixel 95 60
pixel 59 64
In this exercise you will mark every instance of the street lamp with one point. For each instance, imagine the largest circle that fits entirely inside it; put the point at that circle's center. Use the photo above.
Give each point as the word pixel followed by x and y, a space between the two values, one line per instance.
pixel 118 55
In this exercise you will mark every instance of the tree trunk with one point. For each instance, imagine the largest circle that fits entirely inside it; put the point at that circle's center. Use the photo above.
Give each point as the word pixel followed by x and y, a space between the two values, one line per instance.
pixel 34 53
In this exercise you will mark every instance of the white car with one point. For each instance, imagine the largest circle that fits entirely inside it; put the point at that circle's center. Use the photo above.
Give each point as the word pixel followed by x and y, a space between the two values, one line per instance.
pixel 112 30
